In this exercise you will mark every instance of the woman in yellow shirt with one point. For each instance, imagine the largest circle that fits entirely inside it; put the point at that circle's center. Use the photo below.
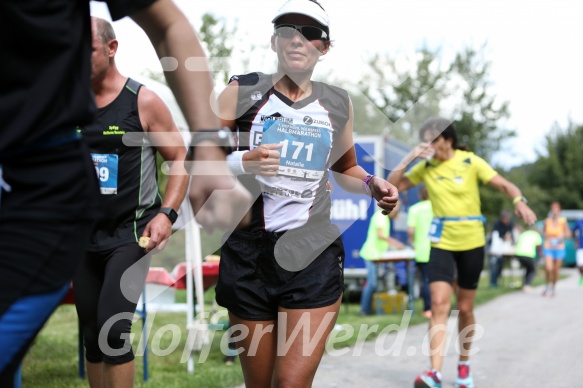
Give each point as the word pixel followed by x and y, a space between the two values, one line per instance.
pixel 556 229
pixel 451 176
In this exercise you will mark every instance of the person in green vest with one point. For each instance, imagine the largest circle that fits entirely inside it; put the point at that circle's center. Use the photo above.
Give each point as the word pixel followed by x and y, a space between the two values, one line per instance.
pixel 527 248
pixel 419 220
pixel 377 241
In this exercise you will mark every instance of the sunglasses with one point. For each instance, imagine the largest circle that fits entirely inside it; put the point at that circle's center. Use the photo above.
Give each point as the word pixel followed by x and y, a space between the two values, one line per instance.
pixel 287 31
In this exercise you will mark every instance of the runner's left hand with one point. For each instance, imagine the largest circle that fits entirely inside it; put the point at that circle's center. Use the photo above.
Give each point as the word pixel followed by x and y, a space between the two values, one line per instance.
pixel 385 193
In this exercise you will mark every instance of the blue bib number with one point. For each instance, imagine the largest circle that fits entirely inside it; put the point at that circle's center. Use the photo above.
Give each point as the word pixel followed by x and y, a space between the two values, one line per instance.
pixel 106 167
pixel 304 150
pixel 435 230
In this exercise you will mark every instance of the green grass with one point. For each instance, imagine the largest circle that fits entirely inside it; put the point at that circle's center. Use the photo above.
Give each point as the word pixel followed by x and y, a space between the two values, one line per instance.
pixel 52 360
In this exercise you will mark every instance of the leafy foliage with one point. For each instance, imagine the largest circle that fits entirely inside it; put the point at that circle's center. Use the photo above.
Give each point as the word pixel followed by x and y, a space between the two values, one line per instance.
pixel 404 98
pixel 216 37
pixel 479 114
pixel 459 90
pixel 559 173
pixel 556 176
pixel 217 43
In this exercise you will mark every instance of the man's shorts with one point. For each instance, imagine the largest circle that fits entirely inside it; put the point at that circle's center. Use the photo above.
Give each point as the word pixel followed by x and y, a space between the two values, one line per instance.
pixel 555 254
pixel 444 264
pixel 45 220
pixel 299 269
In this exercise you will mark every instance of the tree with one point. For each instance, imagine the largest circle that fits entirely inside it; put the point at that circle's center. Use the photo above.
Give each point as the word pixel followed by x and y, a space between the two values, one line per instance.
pixel 368 119
pixel 556 176
pixel 403 98
pixel 459 90
pixel 216 37
pixel 478 117
pixel 559 173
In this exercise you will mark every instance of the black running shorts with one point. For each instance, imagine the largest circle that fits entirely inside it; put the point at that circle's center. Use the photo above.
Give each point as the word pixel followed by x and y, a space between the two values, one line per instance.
pixel 298 269
pixel 443 265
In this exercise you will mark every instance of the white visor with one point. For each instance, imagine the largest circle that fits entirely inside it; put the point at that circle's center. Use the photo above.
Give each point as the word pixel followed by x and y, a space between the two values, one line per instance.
pixel 304 7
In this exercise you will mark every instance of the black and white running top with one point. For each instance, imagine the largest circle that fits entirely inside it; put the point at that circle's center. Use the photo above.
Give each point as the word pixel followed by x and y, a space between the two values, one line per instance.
pixel 127 175
pixel 307 130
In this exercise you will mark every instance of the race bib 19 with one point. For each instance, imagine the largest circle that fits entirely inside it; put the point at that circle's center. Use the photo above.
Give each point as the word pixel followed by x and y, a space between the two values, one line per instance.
pixel 106 166
pixel 304 150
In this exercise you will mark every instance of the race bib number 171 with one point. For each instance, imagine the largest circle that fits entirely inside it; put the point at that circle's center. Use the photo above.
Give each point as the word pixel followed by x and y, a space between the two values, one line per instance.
pixel 304 150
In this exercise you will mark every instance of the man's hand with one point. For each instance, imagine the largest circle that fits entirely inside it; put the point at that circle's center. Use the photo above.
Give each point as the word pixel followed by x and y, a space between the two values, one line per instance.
pixel 158 230
pixel 218 200
pixel 263 160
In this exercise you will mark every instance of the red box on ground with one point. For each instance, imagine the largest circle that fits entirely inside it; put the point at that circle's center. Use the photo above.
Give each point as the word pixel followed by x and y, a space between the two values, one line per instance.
pixel 210 274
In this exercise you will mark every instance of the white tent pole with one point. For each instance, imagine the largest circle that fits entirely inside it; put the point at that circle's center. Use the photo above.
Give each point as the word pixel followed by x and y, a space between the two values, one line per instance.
pixel 189 250
pixel 198 284
pixel 193 266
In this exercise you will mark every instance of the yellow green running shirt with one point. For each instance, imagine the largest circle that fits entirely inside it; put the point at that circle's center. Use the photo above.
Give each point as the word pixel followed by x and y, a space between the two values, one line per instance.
pixel 453 190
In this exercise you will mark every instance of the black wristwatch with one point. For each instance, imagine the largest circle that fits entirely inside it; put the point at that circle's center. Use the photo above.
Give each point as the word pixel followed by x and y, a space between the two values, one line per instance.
pixel 170 213
pixel 223 137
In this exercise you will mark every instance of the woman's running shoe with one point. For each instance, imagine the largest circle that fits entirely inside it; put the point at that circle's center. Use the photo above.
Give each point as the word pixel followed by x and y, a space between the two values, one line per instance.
pixel 464 379
pixel 428 379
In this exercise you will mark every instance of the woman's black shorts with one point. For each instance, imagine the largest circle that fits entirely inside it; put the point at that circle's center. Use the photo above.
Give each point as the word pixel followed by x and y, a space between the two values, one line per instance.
pixel 299 269
pixel 443 265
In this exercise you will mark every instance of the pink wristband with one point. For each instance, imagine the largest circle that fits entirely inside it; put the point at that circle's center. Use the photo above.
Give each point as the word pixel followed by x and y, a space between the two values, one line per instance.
pixel 365 184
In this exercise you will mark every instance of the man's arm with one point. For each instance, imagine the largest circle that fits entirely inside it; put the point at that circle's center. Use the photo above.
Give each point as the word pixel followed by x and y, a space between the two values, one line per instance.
pixel 393 242
pixel 174 39
pixel 158 123
pixel 411 236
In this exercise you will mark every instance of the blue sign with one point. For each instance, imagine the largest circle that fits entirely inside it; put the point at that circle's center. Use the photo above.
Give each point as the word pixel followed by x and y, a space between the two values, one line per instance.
pixel 351 212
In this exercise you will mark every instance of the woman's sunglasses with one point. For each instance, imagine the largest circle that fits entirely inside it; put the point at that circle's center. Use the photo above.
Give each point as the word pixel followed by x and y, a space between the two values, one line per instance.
pixel 287 31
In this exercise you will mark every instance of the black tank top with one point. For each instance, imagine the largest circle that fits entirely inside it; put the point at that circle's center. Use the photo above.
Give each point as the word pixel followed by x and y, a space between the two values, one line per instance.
pixel 127 175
